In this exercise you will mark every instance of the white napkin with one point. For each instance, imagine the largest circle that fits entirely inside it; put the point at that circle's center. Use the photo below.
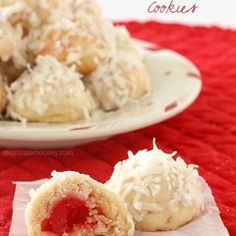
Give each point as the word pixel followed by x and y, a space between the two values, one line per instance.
pixel 208 224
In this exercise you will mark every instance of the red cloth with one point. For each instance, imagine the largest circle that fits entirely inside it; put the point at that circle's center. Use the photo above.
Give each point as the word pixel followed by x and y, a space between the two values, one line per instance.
pixel 204 134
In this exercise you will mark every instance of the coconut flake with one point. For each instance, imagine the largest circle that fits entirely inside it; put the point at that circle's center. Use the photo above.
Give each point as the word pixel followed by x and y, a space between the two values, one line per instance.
pixel 144 173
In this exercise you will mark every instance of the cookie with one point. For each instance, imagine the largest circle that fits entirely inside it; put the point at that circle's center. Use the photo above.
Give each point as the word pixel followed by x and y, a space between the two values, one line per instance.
pixel 3 96
pixel 74 204
pixel 13 58
pixel 123 78
pixel 49 92
pixel 73 39
pixel 161 193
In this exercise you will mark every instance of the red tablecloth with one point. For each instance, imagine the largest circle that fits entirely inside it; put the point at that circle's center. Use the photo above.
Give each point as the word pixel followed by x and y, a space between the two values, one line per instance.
pixel 205 134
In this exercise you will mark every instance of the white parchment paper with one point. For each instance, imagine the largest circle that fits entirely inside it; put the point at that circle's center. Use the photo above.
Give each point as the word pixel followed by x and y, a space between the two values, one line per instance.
pixel 208 224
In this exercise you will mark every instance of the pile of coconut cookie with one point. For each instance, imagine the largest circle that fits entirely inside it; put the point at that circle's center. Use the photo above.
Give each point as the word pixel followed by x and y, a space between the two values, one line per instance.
pixel 60 61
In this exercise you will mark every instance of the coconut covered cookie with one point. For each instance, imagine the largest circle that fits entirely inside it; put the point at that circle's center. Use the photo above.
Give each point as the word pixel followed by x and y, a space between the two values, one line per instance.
pixel 161 193
pixel 49 92
pixel 123 78
pixel 116 83
pixel 67 30
pixel 12 52
pixel 71 43
pixel 74 204
pixel 72 35
pixel 34 13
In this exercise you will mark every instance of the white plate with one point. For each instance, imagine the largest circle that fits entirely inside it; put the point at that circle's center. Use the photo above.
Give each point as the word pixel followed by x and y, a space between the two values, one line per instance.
pixel 176 83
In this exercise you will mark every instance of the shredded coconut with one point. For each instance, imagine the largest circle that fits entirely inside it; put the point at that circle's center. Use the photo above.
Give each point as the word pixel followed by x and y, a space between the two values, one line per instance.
pixel 102 224
pixel 7 11
pixel 147 173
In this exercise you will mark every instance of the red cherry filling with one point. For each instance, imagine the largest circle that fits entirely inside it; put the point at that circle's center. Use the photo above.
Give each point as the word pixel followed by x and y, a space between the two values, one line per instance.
pixel 68 212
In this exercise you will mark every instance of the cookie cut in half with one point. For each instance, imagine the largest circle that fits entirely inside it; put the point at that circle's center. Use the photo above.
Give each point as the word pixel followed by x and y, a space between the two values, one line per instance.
pixel 49 92
pixel 74 204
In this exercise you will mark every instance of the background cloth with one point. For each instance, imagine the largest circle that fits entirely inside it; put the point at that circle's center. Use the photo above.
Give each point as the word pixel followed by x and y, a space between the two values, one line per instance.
pixel 204 134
